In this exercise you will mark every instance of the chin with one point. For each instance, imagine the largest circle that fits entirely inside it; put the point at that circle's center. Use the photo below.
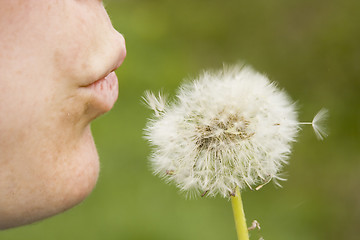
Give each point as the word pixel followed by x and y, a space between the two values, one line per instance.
pixel 77 178
pixel 81 173
pixel 59 186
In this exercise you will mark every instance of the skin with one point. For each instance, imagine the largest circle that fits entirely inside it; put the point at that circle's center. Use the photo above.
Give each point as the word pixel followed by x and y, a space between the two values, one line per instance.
pixel 49 52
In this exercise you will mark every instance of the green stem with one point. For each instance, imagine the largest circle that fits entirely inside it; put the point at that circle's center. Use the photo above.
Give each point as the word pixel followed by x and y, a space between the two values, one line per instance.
pixel 239 216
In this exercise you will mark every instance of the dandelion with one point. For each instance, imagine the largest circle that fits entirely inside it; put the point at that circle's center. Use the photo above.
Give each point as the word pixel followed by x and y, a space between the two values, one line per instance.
pixel 226 131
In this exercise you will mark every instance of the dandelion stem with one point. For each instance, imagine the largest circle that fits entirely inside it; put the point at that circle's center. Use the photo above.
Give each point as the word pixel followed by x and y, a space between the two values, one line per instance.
pixel 239 216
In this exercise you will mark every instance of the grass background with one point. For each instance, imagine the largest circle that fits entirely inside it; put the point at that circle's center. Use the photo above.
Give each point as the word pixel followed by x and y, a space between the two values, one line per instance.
pixel 311 48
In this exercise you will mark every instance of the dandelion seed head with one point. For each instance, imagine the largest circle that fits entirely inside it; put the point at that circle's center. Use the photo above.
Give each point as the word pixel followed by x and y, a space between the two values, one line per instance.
pixel 225 129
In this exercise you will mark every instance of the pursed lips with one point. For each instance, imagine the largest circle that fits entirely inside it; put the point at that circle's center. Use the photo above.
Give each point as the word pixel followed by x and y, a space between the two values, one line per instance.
pixel 102 93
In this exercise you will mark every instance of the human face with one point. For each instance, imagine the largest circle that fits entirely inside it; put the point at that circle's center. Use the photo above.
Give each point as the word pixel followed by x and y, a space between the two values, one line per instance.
pixel 56 75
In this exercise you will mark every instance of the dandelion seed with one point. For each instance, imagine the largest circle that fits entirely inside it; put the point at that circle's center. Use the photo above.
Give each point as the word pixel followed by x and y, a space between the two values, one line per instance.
pixel 255 224
pixel 155 103
pixel 318 124
pixel 260 186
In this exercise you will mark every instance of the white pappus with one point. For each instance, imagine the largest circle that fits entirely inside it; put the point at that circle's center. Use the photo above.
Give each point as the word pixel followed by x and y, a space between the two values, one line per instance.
pixel 225 129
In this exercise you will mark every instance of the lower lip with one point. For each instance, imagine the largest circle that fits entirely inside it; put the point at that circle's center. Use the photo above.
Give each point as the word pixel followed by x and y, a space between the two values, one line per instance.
pixel 104 92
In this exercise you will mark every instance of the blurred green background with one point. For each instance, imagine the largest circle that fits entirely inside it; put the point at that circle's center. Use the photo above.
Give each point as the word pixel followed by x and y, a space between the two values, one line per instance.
pixel 311 48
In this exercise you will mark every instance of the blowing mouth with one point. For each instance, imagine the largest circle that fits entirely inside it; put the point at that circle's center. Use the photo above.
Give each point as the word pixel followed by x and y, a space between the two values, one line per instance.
pixel 103 93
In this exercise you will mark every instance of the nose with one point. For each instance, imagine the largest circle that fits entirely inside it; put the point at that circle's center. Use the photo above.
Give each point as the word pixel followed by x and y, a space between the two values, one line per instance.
pixel 122 50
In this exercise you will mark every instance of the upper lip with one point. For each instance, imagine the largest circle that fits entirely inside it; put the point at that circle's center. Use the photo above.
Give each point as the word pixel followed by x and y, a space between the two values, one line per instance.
pixel 116 64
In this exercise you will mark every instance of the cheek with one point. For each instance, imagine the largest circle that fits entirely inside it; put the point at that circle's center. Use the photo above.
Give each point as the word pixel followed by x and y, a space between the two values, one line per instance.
pixel 71 60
